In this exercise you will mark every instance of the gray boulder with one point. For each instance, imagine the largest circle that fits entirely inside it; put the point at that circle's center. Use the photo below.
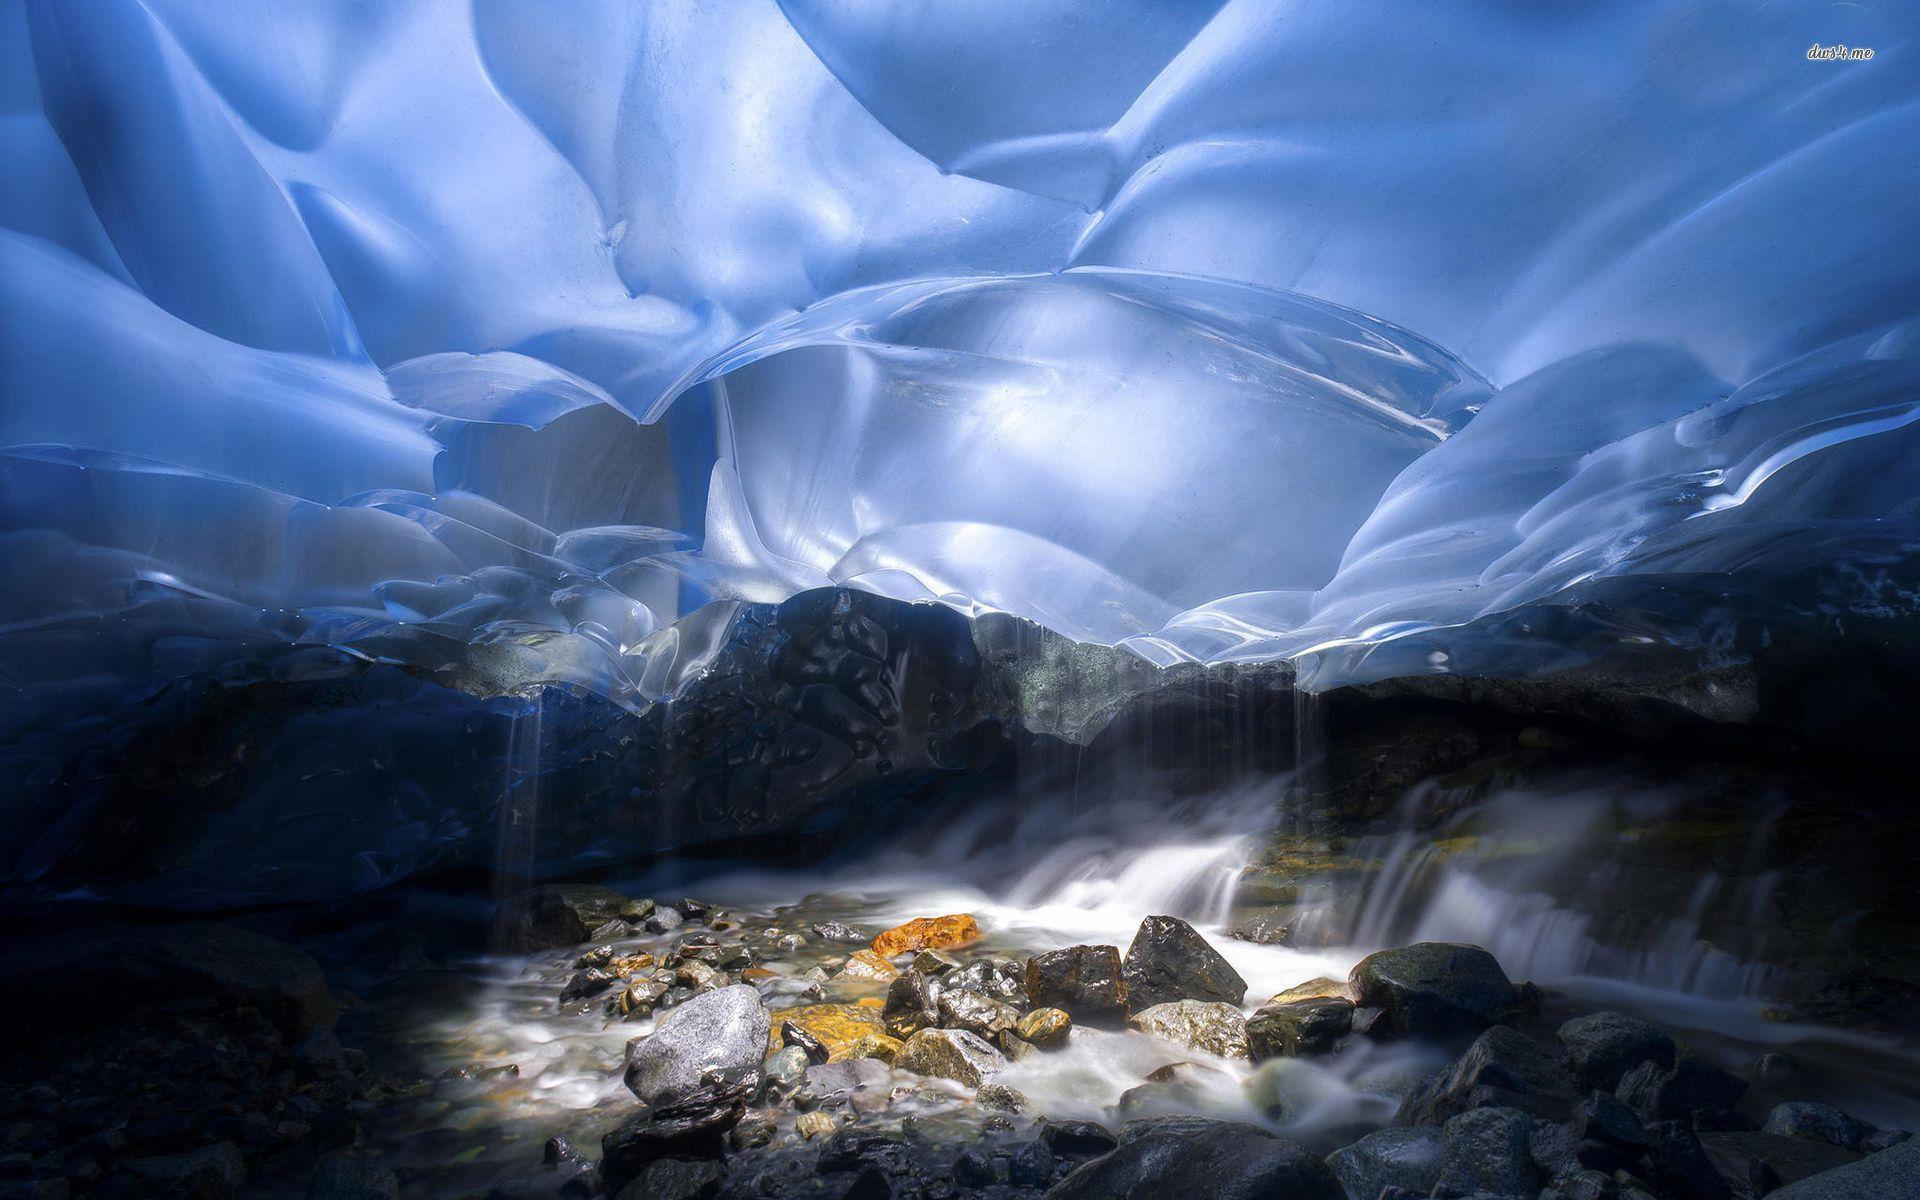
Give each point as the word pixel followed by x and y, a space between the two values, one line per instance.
pixel 1692 1085
pixel 1169 961
pixel 1299 1027
pixel 1891 1174
pixel 1180 1159
pixel 676 1179
pixel 1431 989
pixel 724 1030
pixel 1604 1046
pixel 951 1054
pixel 1398 1157
pixel 1487 1150
pixel 1817 1122
pixel 1502 1068
pixel 1084 981
pixel 1214 1027
pixel 963 1008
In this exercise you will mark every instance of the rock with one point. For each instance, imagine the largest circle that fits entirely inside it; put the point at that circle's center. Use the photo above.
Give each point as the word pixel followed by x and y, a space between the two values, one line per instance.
pixel 1583 1183
pixel 1214 1027
pixel 1085 981
pixel 950 1054
pixel 934 963
pixel 1764 1161
pixel 973 1169
pixel 834 931
pixel 1177 1160
pixel 1174 1090
pixel 1002 1098
pixel 1891 1174
pixel 560 914
pixel 690 1125
pixel 996 978
pixel 1817 1122
pixel 834 1085
pixel 969 1010
pixel 784 1069
pixel 1269 928
pixel 587 983
pixel 811 1125
pixel 913 1004
pixel 1077 1139
pixel 1030 1165
pixel 1431 989
pixel 865 966
pixel 1776 1066
pixel 723 1030
pixel 664 920
pixel 1168 961
pixel 813 1047
pixel 1692 1085
pixel 1607 1134
pixel 697 977
pixel 1604 1046
pixel 1046 1028
pixel 1679 1165
pixel 751 1133
pixel 927 933
pixel 880 1046
pixel 676 1179
pixel 348 1176
pixel 1487 1150
pixel 838 1028
pixel 212 1172
pixel 1313 989
pixel 1503 1067
pixel 611 931
pixel 1399 1157
pixel 1299 1027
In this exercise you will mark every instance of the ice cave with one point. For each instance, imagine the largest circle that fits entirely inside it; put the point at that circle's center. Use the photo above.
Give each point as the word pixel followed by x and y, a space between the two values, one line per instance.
pixel 696 599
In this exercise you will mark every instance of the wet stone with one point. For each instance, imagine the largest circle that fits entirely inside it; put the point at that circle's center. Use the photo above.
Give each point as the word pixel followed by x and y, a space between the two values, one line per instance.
pixel 1400 1157
pixel 725 1030
pixel 1084 981
pixel 999 1096
pixel 1487 1150
pixel 834 931
pixel 1604 1046
pixel 1690 1087
pixel 977 1014
pixel 833 1085
pixel 927 933
pixel 1030 1165
pixel 1173 1160
pixel 951 1054
pixel 1217 1028
pixel 913 1004
pixel 1431 989
pixel 676 1179
pixel 1002 979
pixel 1169 961
pixel 1299 1027
pixel 1045 1028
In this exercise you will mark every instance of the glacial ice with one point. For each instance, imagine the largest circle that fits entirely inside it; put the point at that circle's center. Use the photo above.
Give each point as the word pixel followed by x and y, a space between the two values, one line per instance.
pixel 1370 335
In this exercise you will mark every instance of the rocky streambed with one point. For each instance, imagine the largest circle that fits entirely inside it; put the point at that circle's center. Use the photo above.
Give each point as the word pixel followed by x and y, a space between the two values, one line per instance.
pixel 845 1046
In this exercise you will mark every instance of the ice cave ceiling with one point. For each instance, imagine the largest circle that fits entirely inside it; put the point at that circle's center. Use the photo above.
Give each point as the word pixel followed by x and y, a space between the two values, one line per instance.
pixel 1233 330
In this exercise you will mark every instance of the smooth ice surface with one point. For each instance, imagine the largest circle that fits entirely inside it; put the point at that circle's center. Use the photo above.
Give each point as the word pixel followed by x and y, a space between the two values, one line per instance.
pixel 1232 330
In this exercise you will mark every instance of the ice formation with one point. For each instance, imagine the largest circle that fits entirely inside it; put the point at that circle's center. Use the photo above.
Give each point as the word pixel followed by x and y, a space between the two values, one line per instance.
pixel 1233 330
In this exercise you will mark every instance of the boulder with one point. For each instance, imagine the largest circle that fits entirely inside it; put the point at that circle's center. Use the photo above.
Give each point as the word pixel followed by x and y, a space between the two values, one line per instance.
pixel 676 1179
pixel 561 914
pixel 1168 961
pixel 950 1054
pixel 864 966
pixel 998 978
pixel 1432 989
pixel 835 1085
pixel 1299 1027
pixel 1176 1160
pixel 1487 1150
pixel 1399 1157
pixel 1763 1161
pixel 969 1010
pixel 1271 927
pixel 724 1030
pixel 1604 1046
pixel 1502 1068
pixel 345 1175
pixel 1679 1164
pixel 913 1004
pixel 1891 1174
pixel 1046 1028
pixel 1692 1085
pixel 1077 1139
pixel 1607 1135
pixel 837 1028
pixel 1084 981
pixel 1817 1122
pixel 927 933
pixel 1312 989
pixel 1214 1027
pixel 1174 1090
pixel 689 1125
pixel 1030 1165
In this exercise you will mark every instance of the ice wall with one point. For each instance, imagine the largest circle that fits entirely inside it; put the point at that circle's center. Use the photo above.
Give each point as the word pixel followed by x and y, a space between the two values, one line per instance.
pixel 500 336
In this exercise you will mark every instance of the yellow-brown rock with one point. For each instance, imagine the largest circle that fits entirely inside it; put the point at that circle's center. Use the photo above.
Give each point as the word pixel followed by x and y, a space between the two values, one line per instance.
pixel 815 1124
pixel 630 964
pixel 928 933
pixel 1312 989
pixel 1046 1028
pixel 876 1045
pixel 864 966
pixel 846 1030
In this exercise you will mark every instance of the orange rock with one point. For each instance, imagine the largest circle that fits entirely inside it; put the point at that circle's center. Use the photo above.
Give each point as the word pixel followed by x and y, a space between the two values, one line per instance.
pixel 846 1030
pixel 753 973
pixel 927 933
